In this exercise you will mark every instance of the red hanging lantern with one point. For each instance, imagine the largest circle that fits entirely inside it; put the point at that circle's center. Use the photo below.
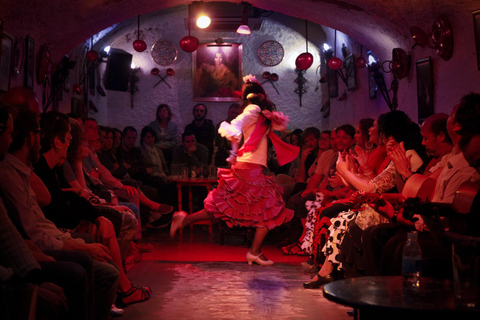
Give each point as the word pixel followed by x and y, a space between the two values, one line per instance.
pixel 360 62
pixel 77 89
pixel 335 63
pixel 139 45
pixel 189 43
pixel 92 55
pixel 304 61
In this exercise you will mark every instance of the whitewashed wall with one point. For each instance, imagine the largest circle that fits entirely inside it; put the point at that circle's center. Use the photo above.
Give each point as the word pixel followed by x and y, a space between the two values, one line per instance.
pixel 115 110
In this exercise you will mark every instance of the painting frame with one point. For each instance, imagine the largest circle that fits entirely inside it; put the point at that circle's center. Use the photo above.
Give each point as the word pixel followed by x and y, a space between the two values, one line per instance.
pixel 350 76
pixel 29 64
pixel 332 82
pixel 6 60
pixel 225 87
pixel 476 29
pixel 424 69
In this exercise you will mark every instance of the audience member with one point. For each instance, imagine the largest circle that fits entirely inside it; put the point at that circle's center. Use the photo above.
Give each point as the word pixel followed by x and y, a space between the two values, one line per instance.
pixel 203 129
pixel 166 130
pixel 222 145
pixel 189 152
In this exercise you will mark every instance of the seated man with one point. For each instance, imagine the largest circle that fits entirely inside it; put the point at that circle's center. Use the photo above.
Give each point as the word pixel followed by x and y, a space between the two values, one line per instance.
pixel 189 152
pixel 128 189
pixel 383 244
pixel 131 158
pixel 15 176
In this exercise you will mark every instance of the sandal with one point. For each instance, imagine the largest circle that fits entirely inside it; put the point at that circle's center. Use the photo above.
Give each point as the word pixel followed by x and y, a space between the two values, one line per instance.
pixel 146 293
pixel 294 249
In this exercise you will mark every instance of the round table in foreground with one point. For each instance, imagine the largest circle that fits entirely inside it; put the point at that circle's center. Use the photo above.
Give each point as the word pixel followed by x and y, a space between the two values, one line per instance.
pixel 388 298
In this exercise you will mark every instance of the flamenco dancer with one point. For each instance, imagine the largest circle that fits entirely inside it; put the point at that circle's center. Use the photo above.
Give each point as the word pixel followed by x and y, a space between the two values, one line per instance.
pixel 245 196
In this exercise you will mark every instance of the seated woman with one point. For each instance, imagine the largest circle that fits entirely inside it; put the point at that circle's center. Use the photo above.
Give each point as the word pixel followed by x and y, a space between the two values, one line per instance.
pixel 166 131
pixel 395 127
pixel 322 178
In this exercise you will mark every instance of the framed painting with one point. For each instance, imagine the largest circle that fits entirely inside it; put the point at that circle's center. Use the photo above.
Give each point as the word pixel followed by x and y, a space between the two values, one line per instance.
pixel 332 82
pixel 424 88
pixel 476 29
pixel 217 72
pixel 29 65
pixel 6 54
pixel 350 72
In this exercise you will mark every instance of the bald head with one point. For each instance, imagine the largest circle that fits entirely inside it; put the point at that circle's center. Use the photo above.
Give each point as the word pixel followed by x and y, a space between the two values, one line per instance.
pixel 19 97
pixel 435 137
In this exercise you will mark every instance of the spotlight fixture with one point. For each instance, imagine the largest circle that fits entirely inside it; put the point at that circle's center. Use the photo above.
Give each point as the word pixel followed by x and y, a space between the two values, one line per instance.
pixel 243 28
pixel 203 21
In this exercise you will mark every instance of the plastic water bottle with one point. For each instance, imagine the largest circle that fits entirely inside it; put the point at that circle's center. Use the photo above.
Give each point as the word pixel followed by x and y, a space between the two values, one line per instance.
pixel 412 261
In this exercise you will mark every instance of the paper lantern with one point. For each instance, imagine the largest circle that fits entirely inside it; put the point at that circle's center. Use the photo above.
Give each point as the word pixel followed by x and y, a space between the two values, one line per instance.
pixel 139 45
pixel 189 43
pixel 304 61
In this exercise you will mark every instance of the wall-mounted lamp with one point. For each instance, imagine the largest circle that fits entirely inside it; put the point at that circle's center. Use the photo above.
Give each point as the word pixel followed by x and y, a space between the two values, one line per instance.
pixel 399 66
pixel 441 38
pixel 244 28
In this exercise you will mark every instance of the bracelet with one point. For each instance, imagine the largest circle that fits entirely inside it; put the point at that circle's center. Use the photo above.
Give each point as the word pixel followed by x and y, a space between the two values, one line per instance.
pixel 394 218
pixel 233 153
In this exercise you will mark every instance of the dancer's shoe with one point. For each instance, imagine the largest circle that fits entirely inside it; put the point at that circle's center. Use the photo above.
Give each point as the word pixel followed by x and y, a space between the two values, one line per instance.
pixel 177 222
pixel 319 282
pixel 257 259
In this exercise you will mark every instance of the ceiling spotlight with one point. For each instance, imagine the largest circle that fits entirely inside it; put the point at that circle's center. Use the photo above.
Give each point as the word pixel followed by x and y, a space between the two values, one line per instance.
pixel 243 28
pixel 132 66
pixel 203 22
pixel 106 49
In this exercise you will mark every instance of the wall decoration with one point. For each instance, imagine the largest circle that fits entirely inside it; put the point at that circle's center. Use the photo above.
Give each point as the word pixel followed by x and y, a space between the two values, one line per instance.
pixel 351 81
pixel 18 56
pixel 217 72
pixel 164 52
pixel 424 88
pixel 6 54
pixel 270 53
pixel 372 86
pixel 29 65
pixel 332 82
pixel 476 26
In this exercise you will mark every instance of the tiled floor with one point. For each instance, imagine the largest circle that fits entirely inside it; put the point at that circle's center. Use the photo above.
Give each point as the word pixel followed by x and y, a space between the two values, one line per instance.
pixel 194 277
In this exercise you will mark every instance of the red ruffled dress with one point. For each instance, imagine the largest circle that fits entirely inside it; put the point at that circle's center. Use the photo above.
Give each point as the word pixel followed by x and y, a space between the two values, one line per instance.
pixel 245 196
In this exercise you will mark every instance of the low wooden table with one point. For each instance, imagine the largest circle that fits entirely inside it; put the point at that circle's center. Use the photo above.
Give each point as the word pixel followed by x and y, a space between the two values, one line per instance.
pixel 194 182
pixel 386 298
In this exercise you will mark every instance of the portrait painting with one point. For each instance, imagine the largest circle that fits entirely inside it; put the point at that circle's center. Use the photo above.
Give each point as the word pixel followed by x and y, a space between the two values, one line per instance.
pixel 424 88
pixel 217 72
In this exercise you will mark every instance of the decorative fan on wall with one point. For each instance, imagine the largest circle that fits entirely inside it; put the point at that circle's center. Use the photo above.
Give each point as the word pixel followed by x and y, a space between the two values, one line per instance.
pixel 164 52
pixel 270 53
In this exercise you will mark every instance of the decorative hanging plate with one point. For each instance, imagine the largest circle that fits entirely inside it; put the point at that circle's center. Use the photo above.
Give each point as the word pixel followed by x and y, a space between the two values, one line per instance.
pixel 164 52
pixel 270 53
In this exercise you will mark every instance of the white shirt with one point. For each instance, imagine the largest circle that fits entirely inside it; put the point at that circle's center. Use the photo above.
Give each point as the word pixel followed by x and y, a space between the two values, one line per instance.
pixel 15 185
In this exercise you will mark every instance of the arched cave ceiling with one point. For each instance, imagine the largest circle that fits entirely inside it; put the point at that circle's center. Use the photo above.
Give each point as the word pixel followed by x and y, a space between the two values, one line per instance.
pixel 377 24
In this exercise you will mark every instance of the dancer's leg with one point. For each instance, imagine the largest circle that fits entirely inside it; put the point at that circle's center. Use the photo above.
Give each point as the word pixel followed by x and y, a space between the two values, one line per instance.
pixel 260 235
pixel 197 216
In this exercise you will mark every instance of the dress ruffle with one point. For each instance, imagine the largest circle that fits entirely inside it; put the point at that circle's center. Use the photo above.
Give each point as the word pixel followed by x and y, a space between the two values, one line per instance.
pixel 246 197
